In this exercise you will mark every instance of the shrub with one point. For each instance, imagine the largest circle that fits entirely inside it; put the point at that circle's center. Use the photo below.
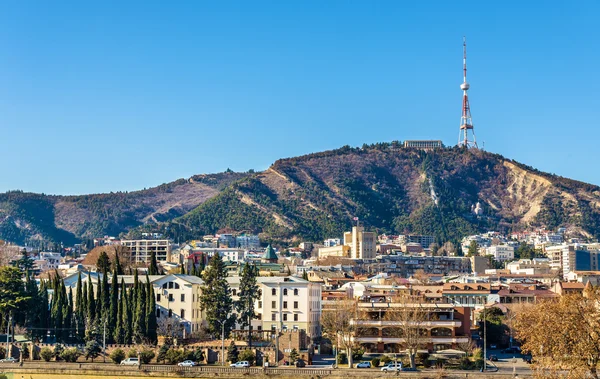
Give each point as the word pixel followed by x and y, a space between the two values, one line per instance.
pixel 198 355
pixel 162 353
pixel 385 360
pixel 36 353
pixel 423 359
pixel 46 354
pixel 117 355
pixel 2 353
pixel 357 354
pixel 175 356
pixel 342 358
pixel 247 355
pixel 92 350
pixel 132 353
pixel 375 362
pixel 477 353
pixel 70 355
pixel 146 356
pixel 58 349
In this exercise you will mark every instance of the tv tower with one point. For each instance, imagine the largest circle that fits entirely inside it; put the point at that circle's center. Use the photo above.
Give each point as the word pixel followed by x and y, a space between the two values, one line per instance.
pixel 466 123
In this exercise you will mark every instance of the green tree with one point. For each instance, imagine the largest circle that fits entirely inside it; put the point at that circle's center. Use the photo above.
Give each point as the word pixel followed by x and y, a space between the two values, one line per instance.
pixel 232 352
pixel 473 249
pixel 91 304
pixel 153 268
pixel 248 294
pixel 151 324
pixel 126 314
pixel 112 319
pixel 46 354
pixel 103 263
pixel 92 350
pixel 215 299
pixel 80 311
pixel 305 275
pixel 247 355
pixel 497 331
pixel 294 355
pixel 12 291
pixel 139 318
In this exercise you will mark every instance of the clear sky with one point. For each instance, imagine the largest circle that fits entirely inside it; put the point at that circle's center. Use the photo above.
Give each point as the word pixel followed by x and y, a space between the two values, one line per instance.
pixel 100 96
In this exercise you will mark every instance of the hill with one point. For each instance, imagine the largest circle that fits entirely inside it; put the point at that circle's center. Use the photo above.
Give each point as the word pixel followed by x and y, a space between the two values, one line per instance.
pixel 30 217
pixel 396 190
pixel 316 196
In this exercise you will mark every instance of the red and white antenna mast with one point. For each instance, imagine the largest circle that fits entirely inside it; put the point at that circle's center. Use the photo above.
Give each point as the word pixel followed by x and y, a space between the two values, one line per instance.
pixel 466 123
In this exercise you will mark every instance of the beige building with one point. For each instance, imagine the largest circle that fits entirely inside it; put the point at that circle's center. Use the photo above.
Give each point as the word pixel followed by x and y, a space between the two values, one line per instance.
pixel 141 250
pixel 362 244
pixel 178 296
pixel 335 251
pixel 286 303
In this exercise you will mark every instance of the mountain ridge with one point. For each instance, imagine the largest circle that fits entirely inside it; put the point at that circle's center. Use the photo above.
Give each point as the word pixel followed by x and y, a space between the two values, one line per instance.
pixel 315 196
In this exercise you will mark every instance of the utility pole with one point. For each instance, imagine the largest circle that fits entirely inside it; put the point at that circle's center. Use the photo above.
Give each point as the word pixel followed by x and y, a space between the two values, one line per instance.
pixel 8 332
pixel 484 368
pixel 277 347
pixel 104 342
pixel 223 343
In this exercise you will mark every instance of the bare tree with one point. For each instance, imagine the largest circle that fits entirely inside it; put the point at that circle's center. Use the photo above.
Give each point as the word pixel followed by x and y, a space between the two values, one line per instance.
pixel 563 334
pixel 338 323
pixel 8 253
pixel 169 327
pixel 407 320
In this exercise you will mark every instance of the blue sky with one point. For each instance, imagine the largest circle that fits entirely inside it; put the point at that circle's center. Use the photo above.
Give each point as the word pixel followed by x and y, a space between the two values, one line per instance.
pixel 100 96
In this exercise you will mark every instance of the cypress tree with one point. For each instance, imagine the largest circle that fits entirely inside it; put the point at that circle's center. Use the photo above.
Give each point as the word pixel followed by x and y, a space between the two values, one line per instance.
pixel 68 313
pixel 182 270
pixel 114 305
pixel 105 298
pixel 151 324
pixel 119 333
pixel 44 311
pixel 139 319
pixel 118 266
pixel 127 329
pixel 98 299
pixel 153 268
pixel 91 303
pixel 56 310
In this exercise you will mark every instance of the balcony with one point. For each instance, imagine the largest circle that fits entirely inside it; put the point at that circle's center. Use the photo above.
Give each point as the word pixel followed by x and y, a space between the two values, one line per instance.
pixel 434 340
pixel 424 324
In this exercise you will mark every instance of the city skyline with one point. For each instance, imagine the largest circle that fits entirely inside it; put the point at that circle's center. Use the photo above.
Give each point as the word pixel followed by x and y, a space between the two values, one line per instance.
pixel 119 97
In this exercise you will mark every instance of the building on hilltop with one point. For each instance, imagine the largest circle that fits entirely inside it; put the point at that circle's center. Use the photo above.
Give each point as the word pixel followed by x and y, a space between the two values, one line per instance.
pixel 424 144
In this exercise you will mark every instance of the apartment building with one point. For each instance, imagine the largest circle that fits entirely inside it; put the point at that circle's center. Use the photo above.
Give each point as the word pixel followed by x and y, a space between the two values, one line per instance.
pixel 286 303
pixel 330 242
pixel 141 250
pixel 501 253
pixel 362 244
pixel 441 326
pixel 248 241
pixel 423 144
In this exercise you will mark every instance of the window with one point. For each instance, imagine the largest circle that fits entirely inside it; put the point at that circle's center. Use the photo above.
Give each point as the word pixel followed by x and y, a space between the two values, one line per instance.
pixel 157 313
pixel 170 313
pixel 176 286
pixel 273 305
pixel 285 292
pixel 295 291
pixel 171 298
pixel 182 297
pixel 285 317
pixel 273 315
pixel 260 304
pixel 158 297
pixel 234 292
pixel 183 313
pixel 170 285
pixel 273 291
pixel 164 286
pixel 296 317
pixel 285 305
pixel 259 328
pixel 295 305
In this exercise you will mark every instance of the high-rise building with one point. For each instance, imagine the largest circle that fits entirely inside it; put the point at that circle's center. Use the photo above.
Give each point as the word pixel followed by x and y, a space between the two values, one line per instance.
pixel 362 244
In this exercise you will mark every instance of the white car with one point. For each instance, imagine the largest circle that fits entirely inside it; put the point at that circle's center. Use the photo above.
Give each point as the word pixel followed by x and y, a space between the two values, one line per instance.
pixel 364 365
pixel 240 364
pixel 130 362
pixel 8 360
pixel 187 363
pixel 392 367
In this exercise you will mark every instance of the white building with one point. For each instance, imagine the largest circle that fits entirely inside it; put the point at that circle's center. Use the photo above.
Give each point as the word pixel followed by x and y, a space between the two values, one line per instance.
pixel 331 242
pixel 501 253
pixel 141 250
pixel 248 241
pixel 286 303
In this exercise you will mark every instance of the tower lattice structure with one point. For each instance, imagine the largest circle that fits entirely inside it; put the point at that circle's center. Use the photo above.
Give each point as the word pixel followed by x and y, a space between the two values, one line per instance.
pixel 466 123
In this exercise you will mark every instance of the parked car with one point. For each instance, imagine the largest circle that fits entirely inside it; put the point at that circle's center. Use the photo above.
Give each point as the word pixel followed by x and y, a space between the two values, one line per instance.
pixel 300 363
pixel 187 363
pixel 130 362
pixel 364 365
pixel 8 360
pixel 392 367
pixel 240 364
pixel 493 358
